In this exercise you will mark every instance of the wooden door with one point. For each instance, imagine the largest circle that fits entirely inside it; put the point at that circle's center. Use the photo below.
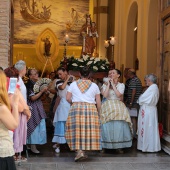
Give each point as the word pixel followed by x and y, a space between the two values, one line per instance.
pixel 165 80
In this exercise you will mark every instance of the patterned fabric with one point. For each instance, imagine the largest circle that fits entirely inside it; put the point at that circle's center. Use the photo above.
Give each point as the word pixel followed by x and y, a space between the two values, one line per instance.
pixel 125 97
pixel 83 85
pixel 134 83
pixel 6 144
pixel 37 112
pixel 83 127
pixel 114 110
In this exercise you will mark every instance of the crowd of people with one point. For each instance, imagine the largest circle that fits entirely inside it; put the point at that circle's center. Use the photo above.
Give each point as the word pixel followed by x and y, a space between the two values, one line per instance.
pixel 85 116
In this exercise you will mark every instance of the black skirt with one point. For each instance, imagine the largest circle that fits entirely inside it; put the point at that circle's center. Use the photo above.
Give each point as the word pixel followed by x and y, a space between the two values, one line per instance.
pixel 7 163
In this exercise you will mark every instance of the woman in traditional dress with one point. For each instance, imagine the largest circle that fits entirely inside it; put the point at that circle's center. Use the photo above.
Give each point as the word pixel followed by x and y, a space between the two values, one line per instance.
pixel 148 133
pixel 36 133
pixel 21 67
pixel 63 108
pixel 82 126
pixel 8 121
pixel 20 133
pixel 115 119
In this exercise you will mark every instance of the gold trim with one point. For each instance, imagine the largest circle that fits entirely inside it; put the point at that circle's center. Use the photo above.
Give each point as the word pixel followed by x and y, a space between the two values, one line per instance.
pixel 34 46
pixel 71 47
pixel 24 45
pixel 47 34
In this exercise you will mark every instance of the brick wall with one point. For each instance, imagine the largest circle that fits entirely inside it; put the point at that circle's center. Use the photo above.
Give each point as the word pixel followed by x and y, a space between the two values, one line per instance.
pixel 5 13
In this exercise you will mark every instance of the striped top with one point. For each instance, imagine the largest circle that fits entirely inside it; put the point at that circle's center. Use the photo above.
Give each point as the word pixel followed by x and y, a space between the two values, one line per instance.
pixel 134 83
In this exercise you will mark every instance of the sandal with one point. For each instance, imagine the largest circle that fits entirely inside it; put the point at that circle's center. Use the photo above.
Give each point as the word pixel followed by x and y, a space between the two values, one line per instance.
pixel 80 156
pixel 23 159
pixel 15 158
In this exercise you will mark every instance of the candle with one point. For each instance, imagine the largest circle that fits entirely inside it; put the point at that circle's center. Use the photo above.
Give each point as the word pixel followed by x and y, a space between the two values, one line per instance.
pixel 112 41
pixel 84 41
pixel 66 38
pixel 106 44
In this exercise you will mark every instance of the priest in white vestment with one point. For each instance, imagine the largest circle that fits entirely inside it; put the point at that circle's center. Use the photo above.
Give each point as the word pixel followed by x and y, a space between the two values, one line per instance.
pixel 148 133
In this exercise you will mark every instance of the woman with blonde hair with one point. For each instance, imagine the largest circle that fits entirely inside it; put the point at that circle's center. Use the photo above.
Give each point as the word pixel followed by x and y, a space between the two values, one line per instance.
pixel 20 133
pixel 6 146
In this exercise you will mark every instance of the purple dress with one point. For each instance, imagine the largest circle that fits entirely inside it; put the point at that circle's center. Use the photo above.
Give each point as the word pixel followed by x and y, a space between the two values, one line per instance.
pixel 20 134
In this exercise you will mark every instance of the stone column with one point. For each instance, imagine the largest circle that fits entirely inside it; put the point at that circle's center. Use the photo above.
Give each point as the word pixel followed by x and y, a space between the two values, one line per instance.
pixel 5 15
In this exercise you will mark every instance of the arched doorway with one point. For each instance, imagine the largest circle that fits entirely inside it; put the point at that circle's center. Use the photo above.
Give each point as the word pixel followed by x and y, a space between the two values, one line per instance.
pixel 131 36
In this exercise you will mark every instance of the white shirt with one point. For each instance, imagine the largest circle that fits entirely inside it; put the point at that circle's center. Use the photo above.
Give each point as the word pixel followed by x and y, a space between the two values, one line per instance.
pixel 112 95
pixel 88 96
pixel 22 88
pixel 62 93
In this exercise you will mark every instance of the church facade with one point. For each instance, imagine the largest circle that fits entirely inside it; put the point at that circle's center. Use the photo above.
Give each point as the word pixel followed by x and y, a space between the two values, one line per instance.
pixel 141 30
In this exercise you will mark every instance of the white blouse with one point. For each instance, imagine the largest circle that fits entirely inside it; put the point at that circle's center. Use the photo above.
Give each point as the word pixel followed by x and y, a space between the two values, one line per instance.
pixel 88 96
pixel 112 95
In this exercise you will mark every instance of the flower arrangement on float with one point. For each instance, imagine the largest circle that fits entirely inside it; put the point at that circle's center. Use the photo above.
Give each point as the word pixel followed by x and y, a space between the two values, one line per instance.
pixel 95 64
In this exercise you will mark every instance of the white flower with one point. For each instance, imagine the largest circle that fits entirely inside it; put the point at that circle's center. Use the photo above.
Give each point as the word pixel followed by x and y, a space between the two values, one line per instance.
pixel 96 60
pixel 106 59
pixel 85 57
pixel 95 68
pixel 107 62
pixel 102 67
pixel 80 60
pixel 89 62
pixel 74 64
pixel 81 66
pixel 92 58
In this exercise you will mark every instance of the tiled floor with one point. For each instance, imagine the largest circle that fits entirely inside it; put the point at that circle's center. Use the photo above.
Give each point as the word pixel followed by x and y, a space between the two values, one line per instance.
pixel 131 159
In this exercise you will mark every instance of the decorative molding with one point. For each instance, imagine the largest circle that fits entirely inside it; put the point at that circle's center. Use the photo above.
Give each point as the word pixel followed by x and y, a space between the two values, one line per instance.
pixel 24 46
pixel 46 38
pixel 71 47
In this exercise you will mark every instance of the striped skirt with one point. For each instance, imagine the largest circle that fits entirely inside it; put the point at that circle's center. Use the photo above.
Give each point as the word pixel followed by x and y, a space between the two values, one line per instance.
pixel 83 127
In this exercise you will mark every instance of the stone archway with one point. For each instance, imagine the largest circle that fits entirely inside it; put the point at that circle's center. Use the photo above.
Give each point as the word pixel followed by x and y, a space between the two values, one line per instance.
pixel 131 36
pixel 152 37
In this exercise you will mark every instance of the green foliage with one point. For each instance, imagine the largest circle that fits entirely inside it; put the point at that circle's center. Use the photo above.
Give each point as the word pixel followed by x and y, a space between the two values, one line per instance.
pixel 94 63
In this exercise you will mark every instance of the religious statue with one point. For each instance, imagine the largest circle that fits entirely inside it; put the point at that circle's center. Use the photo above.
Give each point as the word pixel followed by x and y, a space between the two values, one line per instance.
pixel 88 31
pixel 47 46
